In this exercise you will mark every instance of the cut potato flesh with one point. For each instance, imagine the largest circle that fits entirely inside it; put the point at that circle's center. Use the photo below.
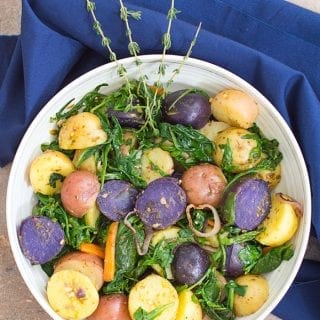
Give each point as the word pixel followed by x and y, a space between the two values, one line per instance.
pixel 212 128
pixel 89 164
pixel 46 164
pixel 85 263
pixel 280 225
pixel 189 308
pixel 257 292
pixel 156 163
pixel 170 233
pixel 72 295
pixel 153 292
pixel 81 131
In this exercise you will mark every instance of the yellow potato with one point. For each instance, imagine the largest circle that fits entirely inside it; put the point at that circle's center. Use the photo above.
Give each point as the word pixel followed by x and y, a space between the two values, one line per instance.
pixel 243 149
pixel 81 131
pixel 272 177
pixel 234 107
pixel 189 307
pixel 153 292
pixel 89 164
pixel 156 163
pixel 212 128
pixel 92 216
pixel 170 233
pixel 72 295
pixel 257 292
pixel 46 164
pixel 281 223
pixel 85 263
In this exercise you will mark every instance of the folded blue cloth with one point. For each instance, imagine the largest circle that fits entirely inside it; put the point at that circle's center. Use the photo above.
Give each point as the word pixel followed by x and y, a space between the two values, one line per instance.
pixel 272 44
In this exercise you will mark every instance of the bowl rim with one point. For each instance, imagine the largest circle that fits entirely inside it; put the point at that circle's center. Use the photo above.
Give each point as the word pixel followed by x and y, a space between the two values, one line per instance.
pixel 156 58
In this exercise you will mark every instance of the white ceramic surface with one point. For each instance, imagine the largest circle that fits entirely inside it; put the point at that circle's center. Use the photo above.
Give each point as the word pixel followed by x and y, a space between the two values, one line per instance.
pixel 195 73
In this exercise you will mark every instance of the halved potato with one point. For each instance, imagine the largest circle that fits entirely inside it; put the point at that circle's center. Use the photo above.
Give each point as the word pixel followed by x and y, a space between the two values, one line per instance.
pixel 212 128
pixel 153 292
pixel 257 292
pixel 81 131
pixel 170 233
pixel 85 263
pixel 46 164
pixel 72 294
pixel 89 164
pixel 156 163
pixel 281 223
pixel 189 308
pixel 239 147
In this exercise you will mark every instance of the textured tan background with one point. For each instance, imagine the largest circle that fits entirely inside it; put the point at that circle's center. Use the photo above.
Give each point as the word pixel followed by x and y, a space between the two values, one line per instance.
pixel 16 302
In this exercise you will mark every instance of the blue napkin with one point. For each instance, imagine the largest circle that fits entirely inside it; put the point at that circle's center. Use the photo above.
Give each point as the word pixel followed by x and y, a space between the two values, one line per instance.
pixel 272 44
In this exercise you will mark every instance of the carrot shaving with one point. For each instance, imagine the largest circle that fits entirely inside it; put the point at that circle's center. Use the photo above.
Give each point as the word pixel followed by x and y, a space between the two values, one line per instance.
pixel 110 253
pixel 92 249
pixel 157 90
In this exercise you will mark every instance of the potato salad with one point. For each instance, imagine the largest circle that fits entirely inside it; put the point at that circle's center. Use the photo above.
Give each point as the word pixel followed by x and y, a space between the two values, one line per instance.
pixel 167 210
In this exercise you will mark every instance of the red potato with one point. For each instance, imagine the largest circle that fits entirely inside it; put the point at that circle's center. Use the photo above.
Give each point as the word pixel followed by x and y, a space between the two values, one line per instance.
pixel 79 192
pixel 85 263
pixel 112 307
pixel 204 184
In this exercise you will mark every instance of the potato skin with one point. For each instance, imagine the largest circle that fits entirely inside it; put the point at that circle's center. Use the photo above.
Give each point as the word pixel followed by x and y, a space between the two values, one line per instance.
pixel 112 307
pixel 155 163
pixel 79 192
pixel 272 177
pixel 204 184
pixel 44 165
pixel 257 293
pixel 152 292
pixel 85 263
pixel 242 147
pixel 81 131
pixel 234 107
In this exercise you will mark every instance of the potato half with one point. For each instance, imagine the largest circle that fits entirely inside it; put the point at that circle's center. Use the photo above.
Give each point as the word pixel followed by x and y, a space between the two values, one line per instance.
pixel 81 131
pixel 257 292
pixel 46 164
pixel 153 292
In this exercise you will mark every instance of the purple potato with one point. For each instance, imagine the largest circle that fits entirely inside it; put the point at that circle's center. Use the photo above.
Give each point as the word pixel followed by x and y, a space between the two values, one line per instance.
pixel 131 119
pixel 234 266
pixel 190 263
pixel 246 203
pixel 41 239
pixel 116 199
pixel 190 109
pixel 161 204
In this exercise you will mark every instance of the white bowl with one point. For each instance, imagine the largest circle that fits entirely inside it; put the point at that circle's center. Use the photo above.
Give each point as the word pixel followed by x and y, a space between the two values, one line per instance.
pixel 195 73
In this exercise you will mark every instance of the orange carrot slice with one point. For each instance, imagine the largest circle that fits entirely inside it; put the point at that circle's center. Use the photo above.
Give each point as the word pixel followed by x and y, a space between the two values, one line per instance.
pixel 110 253
pixel 92 249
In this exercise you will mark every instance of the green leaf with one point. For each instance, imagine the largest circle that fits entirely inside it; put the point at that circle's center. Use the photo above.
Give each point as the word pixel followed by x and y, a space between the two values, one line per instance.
pixel 141 314
pixel 54 177
pixel 273 258
pixel 249 256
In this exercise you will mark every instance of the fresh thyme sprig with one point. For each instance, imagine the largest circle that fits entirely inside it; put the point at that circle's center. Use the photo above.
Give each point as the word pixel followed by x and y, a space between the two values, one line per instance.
pixel 192 44
pixel 166 40
pixel 106 42
pixel 152 107
pixel 133 46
